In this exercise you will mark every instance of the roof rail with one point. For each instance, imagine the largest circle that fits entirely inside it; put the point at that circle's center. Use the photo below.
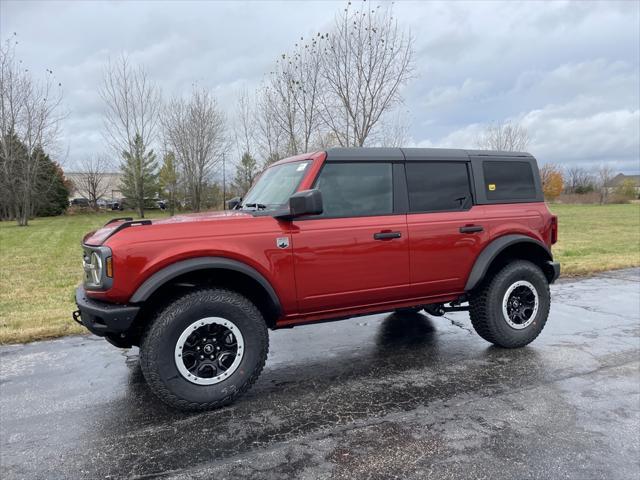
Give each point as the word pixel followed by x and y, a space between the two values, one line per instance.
pixel 119 219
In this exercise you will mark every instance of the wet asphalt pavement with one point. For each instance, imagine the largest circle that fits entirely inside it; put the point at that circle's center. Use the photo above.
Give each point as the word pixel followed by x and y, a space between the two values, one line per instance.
pixel 377 397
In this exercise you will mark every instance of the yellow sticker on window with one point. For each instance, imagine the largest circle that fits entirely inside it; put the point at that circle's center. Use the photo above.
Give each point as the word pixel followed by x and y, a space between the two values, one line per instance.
pixel 492 187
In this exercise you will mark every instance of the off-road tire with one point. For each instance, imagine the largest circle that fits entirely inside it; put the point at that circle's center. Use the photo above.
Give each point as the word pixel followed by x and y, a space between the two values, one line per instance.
pixel 485 305
pixel 159 342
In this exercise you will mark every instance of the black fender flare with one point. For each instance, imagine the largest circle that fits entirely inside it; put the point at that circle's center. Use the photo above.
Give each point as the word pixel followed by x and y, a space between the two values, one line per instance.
pixel 491 251
pixel 176 269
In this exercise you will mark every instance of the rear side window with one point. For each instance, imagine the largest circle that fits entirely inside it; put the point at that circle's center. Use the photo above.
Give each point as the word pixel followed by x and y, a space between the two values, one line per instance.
pixel 438 186
pixel 508 180
pixel 356 189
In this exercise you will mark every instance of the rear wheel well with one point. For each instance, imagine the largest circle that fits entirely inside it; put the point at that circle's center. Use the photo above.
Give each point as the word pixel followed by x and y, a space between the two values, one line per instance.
pixel 210 277
pixel 532 252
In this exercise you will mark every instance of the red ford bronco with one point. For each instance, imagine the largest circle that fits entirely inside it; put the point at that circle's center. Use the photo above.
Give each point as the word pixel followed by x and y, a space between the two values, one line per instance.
pixel 322 236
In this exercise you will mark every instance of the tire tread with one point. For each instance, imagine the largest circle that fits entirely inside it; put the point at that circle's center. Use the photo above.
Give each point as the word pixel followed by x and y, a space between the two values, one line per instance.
pixel 154 331
pixel 480 309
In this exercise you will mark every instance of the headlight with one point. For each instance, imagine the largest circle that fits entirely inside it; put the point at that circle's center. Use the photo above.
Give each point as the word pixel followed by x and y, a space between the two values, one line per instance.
pixel 95 268
pixel 94 260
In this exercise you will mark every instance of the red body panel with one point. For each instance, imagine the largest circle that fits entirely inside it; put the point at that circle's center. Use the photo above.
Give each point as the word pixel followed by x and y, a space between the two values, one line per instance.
pixel 337 260
pixel 333 267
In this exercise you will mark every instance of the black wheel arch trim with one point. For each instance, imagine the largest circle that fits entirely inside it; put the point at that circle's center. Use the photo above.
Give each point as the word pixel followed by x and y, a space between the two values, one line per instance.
pixel 176 269
pixel 491 251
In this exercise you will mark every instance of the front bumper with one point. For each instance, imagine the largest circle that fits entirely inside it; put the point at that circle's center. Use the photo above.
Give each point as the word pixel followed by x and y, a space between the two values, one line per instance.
pixel 102 318
pixel 554 269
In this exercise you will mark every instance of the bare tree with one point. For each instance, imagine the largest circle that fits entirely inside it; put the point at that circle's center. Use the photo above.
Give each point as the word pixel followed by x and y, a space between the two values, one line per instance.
pixel 366 60
pixel 132 103
pixel 604 174
pixel 505 136
pixel 195 130
pixel 297 84
pixel 93 181
pixel 395 131
pixel 578 180
pixel 290 98
pixel 245 124
pixel 269 137
pixel 29 125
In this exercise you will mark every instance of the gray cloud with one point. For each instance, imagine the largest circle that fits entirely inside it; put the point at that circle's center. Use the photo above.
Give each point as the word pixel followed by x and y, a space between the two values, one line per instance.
pixel 569 71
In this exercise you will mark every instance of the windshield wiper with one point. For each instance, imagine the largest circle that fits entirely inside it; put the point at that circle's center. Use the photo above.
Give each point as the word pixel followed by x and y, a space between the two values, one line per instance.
pixel 256 206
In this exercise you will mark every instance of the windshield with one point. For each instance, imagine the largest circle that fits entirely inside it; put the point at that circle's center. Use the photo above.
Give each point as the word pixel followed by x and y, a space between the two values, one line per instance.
pixel 275 185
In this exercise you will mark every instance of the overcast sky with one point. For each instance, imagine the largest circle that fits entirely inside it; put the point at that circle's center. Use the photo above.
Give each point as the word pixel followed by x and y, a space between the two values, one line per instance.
pixel 568 71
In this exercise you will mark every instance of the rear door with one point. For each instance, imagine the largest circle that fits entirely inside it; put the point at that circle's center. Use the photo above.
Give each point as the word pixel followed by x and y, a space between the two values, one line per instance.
pixel 446 231
pixel 357 252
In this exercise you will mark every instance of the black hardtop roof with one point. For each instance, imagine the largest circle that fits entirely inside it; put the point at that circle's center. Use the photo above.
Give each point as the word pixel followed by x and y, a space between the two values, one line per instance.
pixel 412 154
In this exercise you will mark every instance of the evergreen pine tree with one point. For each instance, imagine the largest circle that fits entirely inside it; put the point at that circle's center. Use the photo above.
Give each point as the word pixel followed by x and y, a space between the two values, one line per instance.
pixel 246 173
pixel 139 175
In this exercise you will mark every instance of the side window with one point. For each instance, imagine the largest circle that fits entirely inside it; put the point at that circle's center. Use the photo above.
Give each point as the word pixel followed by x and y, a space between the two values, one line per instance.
pixel 508 180
pixel 356 189
pixel 438 186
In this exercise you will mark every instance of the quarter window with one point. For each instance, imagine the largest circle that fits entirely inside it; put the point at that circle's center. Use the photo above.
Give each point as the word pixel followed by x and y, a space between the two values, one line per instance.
pixel 508 180
pixel 438 186
pixel 356 189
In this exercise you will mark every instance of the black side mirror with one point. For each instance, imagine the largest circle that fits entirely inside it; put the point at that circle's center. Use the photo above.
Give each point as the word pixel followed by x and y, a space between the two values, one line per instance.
pixel 233 203
pixel 307 202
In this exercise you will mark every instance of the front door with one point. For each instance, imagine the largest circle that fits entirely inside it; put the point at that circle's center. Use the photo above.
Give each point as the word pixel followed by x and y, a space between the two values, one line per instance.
pixel 357 252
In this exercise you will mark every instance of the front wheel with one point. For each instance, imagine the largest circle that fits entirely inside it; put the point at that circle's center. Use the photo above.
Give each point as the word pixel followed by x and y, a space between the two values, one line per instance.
pixel 204 349
pixel 511 309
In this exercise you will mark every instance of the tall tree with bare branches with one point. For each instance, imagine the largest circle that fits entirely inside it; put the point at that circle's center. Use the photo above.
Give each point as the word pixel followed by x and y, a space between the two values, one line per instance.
pixel 30 114
pixel 604 175
pixel 92 180
pixel 293 91
pixel 270 139
pixel 504 136
pixel 366 59
pixel 195 130
pixel 132 105
pixel 245 123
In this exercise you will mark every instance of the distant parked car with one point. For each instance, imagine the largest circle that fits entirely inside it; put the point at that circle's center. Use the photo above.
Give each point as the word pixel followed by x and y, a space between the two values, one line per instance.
pixel 119 204
pixel 79 202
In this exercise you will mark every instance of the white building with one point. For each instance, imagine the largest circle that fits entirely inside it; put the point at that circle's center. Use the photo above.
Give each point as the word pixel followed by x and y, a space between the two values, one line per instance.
pixel 110 184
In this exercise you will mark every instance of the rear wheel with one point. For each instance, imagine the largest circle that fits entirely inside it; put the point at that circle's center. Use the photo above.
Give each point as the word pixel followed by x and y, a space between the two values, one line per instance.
pixel 511 309
pixel 204 349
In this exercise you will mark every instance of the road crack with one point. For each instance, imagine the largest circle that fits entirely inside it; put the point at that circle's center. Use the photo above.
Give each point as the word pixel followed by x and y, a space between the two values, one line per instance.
pixel 458 324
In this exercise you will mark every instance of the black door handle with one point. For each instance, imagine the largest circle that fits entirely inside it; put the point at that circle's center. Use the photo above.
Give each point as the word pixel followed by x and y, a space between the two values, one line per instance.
pixel 471 229
pixel 386 235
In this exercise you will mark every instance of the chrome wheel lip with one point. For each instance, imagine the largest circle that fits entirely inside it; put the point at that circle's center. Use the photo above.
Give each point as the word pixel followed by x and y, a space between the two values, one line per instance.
pixel 186 374
pixel 505 301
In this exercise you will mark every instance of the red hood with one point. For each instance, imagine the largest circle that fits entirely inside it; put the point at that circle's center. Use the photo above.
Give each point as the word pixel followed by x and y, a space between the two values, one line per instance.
pixel 202 217
pixel 98 237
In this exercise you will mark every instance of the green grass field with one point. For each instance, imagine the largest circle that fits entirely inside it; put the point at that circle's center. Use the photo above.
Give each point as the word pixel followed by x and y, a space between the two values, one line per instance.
pixel 40 264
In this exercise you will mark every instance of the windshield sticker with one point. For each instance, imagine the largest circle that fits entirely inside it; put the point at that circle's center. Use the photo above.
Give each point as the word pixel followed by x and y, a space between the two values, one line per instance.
pixel 301 167
pixel 492 187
